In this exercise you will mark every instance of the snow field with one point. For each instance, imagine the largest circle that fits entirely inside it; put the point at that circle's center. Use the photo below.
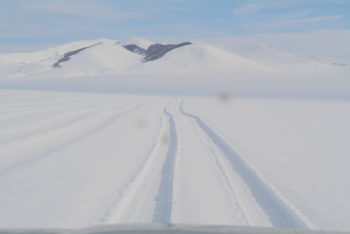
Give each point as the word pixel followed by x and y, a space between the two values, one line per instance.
pixel 54 176
pixel 73 160
pixel 297 150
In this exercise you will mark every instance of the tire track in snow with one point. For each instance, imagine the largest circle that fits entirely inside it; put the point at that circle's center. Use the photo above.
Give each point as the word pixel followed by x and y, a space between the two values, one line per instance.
pixel 164 199
pixel 46 110
pixel 98 128
pixel 13 108
pixel 72 101
pixel 134 202
pixel 229 187
pixel 280 212
pixel 71 122
pixel 38 105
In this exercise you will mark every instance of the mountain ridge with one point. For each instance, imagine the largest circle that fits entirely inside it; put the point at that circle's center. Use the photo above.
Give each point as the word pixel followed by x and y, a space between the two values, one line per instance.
pixel 154 51
pixel 116 57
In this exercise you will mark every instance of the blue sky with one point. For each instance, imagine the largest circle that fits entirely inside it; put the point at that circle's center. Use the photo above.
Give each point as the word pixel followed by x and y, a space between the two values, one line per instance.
pixel 50 22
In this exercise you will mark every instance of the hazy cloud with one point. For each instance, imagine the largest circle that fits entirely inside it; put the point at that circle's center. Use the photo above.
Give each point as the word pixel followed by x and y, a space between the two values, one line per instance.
pixel 86 8
pixel 246 9
pixel 307 20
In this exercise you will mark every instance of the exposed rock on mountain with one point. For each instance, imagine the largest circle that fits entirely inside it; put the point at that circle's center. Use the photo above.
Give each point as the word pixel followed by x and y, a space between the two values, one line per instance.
pixel 340 64
pixel 155 51
pixel 136 49
pixel 67 55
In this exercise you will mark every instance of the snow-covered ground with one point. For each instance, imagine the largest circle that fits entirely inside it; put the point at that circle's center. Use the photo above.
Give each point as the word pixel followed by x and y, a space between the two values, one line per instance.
pixel 108 138
pixel 72 159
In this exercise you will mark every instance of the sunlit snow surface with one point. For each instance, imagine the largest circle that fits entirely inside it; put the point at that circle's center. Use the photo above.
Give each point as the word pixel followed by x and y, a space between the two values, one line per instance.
pixel 94 142
pixel 71 160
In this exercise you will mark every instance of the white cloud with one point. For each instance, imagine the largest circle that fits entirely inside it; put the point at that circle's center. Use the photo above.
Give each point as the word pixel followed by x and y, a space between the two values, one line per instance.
pixel 246 9
pixel 87 8
pixel 297 14
pixel 307 20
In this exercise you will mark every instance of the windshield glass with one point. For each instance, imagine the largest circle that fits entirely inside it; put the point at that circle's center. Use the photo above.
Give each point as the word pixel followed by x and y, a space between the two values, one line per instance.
pixel 229 113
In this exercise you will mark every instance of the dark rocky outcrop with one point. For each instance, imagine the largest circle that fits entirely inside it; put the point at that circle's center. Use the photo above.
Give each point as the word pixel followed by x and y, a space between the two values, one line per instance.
pixel 340 64
pixel 155 51
pixel 136 49
pixel 67 55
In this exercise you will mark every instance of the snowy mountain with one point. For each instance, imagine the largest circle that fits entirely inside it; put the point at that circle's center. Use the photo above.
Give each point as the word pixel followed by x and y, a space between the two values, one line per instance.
pixel 267 54
pixel 113 57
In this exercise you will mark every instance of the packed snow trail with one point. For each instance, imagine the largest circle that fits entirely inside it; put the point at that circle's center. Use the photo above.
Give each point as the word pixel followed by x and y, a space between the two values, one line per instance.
pixel 202 180
pixel 167 172
pixel 135 201
pixel 197 191
pixel 164 198
pixel 278 212
pixel 148 195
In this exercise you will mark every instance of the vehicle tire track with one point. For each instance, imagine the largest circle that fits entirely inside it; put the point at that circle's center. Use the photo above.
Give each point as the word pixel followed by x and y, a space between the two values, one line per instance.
pixel 134 202
pixel 46 110
pixel 229 187
pixel 164 199
pixel 76 120
pixel 98 128
pixel 280 212
pixel 40 105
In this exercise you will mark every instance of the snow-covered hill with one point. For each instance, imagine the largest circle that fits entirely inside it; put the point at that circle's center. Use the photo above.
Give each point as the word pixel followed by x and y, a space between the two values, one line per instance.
pixel 113 57
pixel 199 57
pixel 267 54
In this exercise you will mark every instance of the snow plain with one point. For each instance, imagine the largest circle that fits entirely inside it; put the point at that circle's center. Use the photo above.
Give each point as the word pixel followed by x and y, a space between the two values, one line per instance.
pixel 72 160
pixel 107 139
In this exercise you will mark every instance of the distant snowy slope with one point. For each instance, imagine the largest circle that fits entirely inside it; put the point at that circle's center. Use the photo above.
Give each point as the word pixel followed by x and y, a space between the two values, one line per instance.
pixel 98 57
pixel 17 58
pixel 108 57
pixel 330 60
pixel 258 51
pixel 200 57
pixel 101 59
